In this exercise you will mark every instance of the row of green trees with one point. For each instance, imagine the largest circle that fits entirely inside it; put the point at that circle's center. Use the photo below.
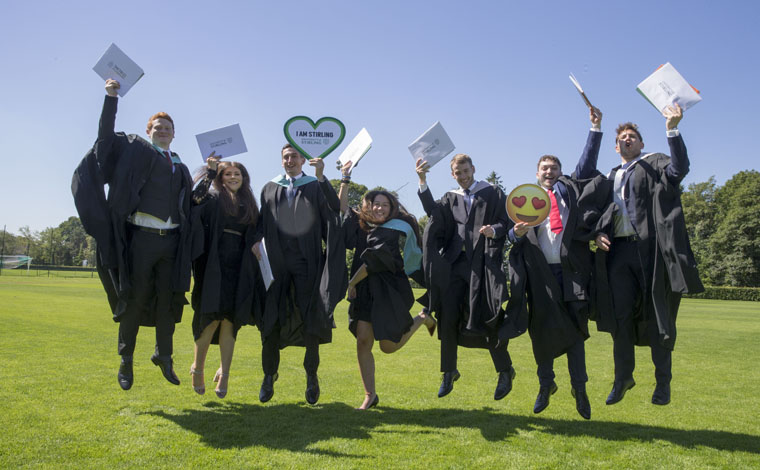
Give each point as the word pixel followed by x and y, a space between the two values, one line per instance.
pixel 724 226
pixel 723 223
pixel 64 245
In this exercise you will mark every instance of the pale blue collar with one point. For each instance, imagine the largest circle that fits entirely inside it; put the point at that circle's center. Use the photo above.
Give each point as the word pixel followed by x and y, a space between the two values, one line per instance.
pixel 301 180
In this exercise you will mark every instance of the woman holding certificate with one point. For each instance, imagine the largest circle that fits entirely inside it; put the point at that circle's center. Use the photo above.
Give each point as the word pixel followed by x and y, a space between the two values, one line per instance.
pixel 379 289
pixel 228 291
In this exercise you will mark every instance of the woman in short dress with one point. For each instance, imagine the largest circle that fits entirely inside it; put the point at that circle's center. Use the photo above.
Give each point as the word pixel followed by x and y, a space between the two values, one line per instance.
pixel 379 289
pixel 228 292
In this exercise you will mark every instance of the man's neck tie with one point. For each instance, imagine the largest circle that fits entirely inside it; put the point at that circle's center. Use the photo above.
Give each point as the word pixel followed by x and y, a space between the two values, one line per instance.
pixel 555 220
pixel 291 192
pixel 169 159
pixel 467 201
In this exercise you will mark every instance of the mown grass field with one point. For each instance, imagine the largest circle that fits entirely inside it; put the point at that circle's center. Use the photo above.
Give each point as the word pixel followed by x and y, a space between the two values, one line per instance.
pixel 62 407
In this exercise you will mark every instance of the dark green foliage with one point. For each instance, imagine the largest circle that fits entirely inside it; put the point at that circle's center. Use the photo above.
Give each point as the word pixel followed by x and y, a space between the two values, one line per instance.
pixel 724 227
pixel 728 293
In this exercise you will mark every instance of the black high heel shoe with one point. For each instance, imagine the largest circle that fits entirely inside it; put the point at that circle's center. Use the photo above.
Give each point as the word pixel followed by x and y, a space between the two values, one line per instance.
pixel 373 403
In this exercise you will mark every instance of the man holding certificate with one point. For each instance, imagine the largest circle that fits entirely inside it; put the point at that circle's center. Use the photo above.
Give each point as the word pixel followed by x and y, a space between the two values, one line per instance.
pixel 550 272
pixel 646 253
pixel 467 286
pixel 298 213
pixel 148 206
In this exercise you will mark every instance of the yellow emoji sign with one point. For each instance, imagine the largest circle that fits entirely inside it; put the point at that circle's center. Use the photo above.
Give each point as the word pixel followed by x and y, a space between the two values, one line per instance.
pixel 528 203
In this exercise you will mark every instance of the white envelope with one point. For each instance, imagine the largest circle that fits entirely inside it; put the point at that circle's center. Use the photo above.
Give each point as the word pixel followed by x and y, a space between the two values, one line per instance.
pixel 115 64
pixel 226 142
pixel 433 145
pixel 355 150
pixel 665 87
pixel 266 269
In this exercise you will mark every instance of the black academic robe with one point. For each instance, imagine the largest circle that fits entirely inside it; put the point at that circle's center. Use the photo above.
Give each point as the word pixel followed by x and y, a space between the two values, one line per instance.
pixel 557 316
pixel 317 212
pixel 481 314
pixel 385 294
pixel 124 162
pixel 664 250
pixel 208 227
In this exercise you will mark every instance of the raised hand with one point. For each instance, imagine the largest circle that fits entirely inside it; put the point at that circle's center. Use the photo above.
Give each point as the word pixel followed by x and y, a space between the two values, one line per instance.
pixel 422 168
pixel 595 116
pixel 111 87
pixel 673 115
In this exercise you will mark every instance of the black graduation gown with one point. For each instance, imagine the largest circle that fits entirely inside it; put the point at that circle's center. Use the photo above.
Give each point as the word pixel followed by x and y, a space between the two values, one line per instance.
pixel 385 295
pixel 481 314
pixel 248 304
pixel 317 211
pixel 664 249
pixel 557 316
pixel 124 162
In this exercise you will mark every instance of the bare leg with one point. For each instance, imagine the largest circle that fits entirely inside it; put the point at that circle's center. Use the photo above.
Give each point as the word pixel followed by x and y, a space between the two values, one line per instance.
pixel 388 346
pixel 199 361
pixel 365 339
pixel 226 348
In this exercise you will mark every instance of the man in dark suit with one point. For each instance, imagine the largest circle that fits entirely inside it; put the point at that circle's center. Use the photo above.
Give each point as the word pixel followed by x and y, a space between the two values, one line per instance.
pixel 473 225
pixel 550 274
pixel 649 261
pixel 148 203
pixel 298 213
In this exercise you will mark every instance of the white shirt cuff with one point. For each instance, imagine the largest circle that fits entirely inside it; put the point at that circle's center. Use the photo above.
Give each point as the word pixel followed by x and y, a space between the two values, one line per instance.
pixel 423 187
pixel 673 133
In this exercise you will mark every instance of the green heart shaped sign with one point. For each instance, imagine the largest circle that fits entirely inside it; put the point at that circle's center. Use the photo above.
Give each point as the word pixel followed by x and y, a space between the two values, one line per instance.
pixel 314 140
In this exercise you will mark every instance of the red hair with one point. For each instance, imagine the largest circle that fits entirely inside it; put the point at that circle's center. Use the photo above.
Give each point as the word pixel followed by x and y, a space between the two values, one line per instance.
pixel 159 115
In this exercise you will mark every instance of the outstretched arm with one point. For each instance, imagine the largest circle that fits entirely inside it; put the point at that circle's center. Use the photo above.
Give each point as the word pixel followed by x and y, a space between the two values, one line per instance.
pixel 428 203
pixel 679 159
pixel 104 143
pixel 332 199
pixel 586 167
pixel 345 185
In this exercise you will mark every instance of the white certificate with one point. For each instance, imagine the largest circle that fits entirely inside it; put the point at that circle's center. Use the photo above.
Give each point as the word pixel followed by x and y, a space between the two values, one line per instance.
pixel 115 64
pixel 226 142
pixel 355 150
pixel 432 146
pixel 665 87
pixel 266 269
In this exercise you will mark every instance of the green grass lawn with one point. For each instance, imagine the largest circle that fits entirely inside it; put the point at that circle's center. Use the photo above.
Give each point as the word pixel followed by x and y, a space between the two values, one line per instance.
pixel 62 407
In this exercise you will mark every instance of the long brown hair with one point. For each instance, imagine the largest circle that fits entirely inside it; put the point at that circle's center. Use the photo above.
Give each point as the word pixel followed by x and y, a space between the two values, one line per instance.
pixel 367 219
pixel 243 205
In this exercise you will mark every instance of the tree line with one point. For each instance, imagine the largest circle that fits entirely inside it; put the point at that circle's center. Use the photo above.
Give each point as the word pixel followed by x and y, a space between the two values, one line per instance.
pixel 723 224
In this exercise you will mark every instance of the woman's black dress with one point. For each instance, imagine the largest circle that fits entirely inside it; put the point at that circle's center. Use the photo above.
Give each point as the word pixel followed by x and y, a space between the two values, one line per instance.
pixel 227 279
pixel 385 296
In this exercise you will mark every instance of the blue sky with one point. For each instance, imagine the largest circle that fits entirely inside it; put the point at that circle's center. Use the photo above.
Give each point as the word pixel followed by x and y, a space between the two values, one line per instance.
pixel 494 73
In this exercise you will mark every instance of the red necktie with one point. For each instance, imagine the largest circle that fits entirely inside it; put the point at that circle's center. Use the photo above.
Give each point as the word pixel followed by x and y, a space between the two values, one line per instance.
pixel 555 220
pixel 169 159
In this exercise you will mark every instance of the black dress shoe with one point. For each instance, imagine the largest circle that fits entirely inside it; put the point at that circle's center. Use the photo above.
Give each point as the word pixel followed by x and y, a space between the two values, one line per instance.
pixel 619 389
pixel 312 389
pixel 447 383
pixel 544 394
pixel 661 395
pixel 167 368
pixel 504 384
pixel 581 403
pixel 267 387
pixel 125 375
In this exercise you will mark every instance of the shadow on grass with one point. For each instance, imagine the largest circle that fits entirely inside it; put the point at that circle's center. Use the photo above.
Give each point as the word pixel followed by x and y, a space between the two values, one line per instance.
pixel 297 427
